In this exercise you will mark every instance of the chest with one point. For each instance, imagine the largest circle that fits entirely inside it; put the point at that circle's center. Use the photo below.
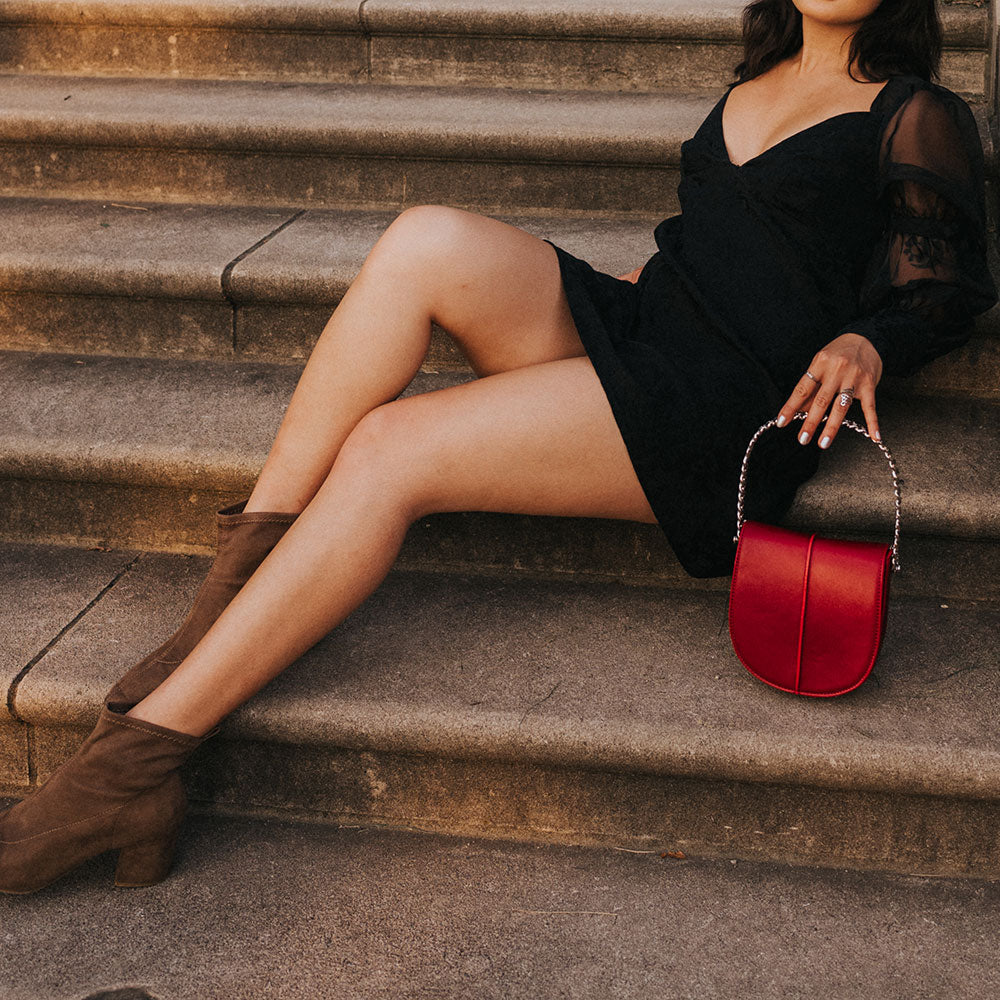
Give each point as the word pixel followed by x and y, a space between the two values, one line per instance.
pixel 828 169
pixel 753 118
pixel 814 194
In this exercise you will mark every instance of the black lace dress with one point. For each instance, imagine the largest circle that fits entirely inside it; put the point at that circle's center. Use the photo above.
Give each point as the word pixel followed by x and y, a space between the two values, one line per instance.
pixel 869 222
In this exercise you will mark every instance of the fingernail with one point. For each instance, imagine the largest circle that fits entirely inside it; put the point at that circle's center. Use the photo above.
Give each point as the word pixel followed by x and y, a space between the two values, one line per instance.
pixel 804 437
pixel 781 421
pixel 878 437
pixel 825 442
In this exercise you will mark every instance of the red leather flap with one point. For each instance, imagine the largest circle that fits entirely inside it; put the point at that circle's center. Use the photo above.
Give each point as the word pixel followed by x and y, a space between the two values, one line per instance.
pixel 765 601
pixel 845 613
pixel 806 614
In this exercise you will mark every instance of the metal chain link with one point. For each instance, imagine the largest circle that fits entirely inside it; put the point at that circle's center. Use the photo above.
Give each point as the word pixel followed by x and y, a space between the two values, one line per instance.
pixel 896 481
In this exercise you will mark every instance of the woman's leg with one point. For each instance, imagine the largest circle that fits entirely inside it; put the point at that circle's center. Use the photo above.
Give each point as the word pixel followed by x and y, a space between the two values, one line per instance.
pixel 536 440
pixel 495 288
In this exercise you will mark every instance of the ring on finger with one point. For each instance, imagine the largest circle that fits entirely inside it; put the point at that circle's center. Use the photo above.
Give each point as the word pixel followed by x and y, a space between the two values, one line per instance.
pixel 813 377
pixel 846 396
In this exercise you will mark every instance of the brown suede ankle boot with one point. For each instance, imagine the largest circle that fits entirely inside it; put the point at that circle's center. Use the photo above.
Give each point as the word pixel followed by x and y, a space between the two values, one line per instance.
pixel 244 541
pixel 120 791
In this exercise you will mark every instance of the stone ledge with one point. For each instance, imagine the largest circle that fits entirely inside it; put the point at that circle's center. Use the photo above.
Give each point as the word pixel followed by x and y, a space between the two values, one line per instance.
pixel 157 250
pixel 539 710
pixel 146 279
pixel 268 15
pixel 577 45
pixel 376 120
pixel 206 426
pixel 328 145
pixel 696 20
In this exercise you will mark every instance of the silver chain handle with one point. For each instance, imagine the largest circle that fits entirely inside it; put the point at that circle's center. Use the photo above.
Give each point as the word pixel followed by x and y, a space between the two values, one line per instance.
pixel 896 481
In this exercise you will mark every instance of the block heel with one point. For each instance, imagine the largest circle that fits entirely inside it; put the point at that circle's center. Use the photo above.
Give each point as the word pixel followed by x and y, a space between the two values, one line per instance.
pixel 145 864
pixel 121 791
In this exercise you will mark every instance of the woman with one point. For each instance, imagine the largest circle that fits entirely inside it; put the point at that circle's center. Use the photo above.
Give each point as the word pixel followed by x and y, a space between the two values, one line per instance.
pixel 832 229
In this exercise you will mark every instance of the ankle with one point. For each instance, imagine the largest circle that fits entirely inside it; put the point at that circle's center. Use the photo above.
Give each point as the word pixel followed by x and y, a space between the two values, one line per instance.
pixel 263 503
pixel 149 711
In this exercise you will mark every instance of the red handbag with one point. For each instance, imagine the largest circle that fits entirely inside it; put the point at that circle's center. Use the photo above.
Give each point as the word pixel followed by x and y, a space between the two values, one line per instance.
pixel 806 613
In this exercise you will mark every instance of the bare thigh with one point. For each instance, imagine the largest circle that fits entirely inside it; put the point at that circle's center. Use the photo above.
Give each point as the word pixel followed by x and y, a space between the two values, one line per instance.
pixel 494 288
pixel 535 440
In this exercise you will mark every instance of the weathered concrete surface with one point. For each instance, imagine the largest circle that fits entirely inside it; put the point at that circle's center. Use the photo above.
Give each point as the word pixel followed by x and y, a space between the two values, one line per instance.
pixel 695 20
pixel 147 280
pixel 183 522
pixel 972 371
pixel 165 280
pixel 138 421
pixel 283 911
pixel 309 145
pixel 367 120
pixel 96 514
pixel 108 248
pixel 584 44
pixel 69 579
pixel 318 256
pixel 278 15
pixel 106 277
pixel 286 290
pixel 579 548
pixel 202 39
pixel 115 324
pixel 595 44
pixel 606 714
pixel 207 426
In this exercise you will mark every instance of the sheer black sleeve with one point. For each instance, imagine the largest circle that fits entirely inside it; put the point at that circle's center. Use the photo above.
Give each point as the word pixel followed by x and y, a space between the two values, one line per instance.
pixel 928 276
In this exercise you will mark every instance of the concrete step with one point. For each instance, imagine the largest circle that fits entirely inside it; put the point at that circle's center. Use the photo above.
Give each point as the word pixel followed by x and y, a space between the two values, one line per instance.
pixel 305 911
pixel 651 45
pixel 192 281
pixel 547 711
pixel 201 281
pixel 371 146
pixel 139 452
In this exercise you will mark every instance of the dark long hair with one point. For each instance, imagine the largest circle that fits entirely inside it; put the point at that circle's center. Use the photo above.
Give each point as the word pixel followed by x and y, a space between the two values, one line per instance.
pixel 898 37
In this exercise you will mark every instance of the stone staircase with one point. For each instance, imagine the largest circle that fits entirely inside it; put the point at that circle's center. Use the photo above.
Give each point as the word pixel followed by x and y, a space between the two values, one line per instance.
pixel 188 188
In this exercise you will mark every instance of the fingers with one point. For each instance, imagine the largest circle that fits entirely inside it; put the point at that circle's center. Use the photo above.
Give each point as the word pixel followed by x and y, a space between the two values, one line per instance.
pixel 837 376
pixel 867 398
pixel 799 400
pixel 841 404
pixel 825 395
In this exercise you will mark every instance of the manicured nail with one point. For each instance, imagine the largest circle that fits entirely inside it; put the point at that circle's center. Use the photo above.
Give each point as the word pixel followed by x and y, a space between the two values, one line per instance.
pixel 781 421
pixel 878 437
pixel 804 437
pixel 825 443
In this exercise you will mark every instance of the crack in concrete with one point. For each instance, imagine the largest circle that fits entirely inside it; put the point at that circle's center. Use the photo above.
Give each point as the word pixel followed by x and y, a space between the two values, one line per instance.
pixel 541 701
pixel 225 279
pixel 366 34
pixel 23 672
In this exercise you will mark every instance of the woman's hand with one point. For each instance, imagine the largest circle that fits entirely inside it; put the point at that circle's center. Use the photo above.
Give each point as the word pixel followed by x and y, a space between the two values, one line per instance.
pixel 848 368
pixel 632 276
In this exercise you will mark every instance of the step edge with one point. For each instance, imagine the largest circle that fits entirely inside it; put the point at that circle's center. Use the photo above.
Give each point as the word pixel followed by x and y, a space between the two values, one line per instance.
pixel 965 27
pixel 598 745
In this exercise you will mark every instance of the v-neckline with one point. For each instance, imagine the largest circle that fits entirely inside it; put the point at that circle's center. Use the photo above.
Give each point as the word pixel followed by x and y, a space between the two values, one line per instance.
pixel 788 138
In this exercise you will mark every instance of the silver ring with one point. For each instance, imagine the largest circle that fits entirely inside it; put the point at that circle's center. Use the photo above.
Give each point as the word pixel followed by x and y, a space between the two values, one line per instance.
pixel 813 377
pixel 846 396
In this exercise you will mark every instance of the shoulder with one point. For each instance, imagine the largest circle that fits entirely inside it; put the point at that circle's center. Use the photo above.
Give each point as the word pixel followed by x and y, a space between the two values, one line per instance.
pixel 928 107
pixel 930 135
pixel 920 114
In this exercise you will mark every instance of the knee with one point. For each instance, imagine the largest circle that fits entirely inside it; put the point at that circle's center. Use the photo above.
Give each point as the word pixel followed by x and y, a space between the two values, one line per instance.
pixel 379 460
pixel 417 235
